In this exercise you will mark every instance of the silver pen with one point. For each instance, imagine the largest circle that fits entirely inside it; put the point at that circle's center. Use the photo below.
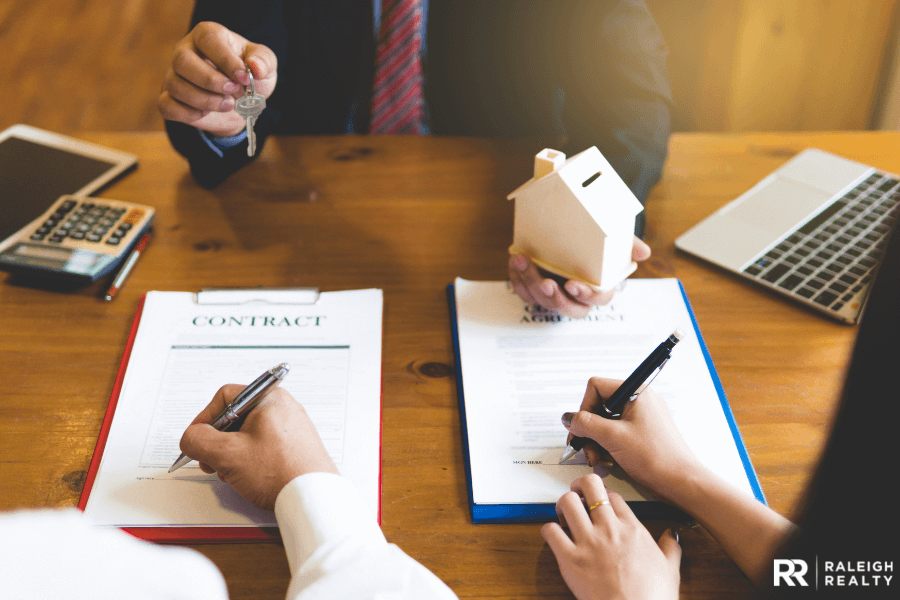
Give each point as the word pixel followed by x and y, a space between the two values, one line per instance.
pixel 235 413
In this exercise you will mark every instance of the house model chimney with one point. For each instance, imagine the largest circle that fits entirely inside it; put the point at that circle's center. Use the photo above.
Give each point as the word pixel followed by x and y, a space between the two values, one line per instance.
pixel 546 161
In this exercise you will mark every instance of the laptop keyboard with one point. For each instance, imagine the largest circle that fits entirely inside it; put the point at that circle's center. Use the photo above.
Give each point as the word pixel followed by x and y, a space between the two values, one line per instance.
pixel 833 256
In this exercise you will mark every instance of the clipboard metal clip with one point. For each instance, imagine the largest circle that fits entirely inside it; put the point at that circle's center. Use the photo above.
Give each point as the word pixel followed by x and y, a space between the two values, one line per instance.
pixel 299 295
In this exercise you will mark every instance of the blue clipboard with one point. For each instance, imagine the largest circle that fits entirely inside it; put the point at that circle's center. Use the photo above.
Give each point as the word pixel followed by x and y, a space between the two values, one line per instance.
pixel 542 513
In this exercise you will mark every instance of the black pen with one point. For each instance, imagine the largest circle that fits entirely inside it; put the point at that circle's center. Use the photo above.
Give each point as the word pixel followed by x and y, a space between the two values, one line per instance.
pixel 630 389
pixel 235 413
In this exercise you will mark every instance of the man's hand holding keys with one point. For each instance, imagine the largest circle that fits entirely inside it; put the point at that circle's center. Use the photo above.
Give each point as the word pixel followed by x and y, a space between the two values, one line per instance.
pixel 208 76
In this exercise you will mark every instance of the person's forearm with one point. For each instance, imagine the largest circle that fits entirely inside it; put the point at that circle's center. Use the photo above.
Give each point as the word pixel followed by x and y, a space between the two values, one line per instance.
pixel 748 531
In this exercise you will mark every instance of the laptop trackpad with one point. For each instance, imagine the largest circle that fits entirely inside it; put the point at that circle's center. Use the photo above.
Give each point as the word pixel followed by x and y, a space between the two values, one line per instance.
pixel 777 205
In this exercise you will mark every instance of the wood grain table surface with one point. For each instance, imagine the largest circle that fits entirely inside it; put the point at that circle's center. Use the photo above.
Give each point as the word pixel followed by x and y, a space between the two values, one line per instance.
pixel 408 215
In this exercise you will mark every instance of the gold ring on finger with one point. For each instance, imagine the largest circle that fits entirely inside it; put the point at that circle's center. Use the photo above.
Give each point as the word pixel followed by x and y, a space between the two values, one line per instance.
pixel 596 504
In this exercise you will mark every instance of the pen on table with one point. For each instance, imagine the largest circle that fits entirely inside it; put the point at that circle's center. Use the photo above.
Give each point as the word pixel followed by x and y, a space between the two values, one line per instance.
pixel 630 389
pixel 235 413
pixel 129 264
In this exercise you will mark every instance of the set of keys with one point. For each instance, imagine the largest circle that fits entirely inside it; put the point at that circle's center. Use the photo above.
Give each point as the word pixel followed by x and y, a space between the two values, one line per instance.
pixel 249 106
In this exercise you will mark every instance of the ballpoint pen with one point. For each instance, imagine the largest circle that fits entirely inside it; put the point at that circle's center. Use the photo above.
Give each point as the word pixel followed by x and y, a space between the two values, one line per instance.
pixel 129 264
pixel 235 413
pixel 630 389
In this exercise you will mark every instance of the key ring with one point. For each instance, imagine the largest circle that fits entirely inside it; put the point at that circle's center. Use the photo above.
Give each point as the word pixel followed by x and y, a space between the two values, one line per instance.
pixel 252 91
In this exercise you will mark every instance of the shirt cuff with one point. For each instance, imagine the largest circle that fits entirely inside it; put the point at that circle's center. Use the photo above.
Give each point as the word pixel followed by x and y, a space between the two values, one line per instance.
pixel 319 511
pixel 218 144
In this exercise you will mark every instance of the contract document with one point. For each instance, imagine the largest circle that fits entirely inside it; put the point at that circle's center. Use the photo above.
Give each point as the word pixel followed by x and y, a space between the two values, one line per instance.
pixel 184 351
pixel 520 367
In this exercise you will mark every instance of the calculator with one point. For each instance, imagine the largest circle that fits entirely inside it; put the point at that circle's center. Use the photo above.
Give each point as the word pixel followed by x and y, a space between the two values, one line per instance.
pixel 50 223
pixel 78 238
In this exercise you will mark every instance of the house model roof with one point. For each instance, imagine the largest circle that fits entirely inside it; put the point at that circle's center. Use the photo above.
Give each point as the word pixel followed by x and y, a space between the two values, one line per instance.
pixel 589 178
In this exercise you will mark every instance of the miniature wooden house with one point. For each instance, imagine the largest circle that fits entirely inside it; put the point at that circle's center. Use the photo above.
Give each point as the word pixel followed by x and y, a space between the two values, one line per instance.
pixel 575 218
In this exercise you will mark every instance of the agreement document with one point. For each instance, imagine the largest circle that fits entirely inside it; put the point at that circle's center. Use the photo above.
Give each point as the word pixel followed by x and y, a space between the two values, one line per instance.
pixel 520 367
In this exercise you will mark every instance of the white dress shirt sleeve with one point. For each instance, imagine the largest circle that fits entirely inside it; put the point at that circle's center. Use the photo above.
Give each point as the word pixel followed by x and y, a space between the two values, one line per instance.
pixel 59 554
pixel 335 548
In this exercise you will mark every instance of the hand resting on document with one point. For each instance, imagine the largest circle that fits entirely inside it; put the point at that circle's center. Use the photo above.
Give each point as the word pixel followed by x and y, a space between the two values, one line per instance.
pixel 276 443
pixel 610 554
pixel 573 298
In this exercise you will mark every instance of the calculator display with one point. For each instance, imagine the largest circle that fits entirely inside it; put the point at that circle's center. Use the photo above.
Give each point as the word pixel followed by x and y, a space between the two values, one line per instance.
pixel 63 259
pixel 33 176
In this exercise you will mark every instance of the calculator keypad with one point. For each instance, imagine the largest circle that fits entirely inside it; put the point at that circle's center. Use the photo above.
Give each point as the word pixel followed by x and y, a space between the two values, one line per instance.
pixel 88 221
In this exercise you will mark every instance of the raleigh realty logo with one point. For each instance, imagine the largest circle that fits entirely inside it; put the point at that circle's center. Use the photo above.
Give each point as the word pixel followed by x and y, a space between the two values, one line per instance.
pixel 860 573
pixel 790 571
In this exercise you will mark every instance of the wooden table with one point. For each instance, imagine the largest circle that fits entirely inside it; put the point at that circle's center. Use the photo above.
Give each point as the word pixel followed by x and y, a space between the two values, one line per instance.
pixel 408 215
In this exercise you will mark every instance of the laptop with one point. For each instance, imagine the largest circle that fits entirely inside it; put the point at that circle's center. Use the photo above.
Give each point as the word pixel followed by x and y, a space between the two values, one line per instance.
pixel 813 230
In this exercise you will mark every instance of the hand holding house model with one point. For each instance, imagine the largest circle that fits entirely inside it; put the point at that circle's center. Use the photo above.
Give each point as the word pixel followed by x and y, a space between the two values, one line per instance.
pixel 575 218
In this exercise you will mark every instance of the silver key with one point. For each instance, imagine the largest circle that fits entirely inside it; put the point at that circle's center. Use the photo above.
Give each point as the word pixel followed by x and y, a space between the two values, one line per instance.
pixel 249 106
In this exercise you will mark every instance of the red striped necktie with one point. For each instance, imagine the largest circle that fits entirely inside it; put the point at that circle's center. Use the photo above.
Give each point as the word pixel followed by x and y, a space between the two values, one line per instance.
pixel 397 103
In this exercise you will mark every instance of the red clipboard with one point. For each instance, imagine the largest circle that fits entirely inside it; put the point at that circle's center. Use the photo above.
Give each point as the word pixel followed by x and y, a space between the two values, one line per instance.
pixel 184 535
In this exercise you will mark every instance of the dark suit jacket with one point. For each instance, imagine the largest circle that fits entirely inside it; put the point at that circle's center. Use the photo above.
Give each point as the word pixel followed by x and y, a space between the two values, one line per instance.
pixel 572 74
